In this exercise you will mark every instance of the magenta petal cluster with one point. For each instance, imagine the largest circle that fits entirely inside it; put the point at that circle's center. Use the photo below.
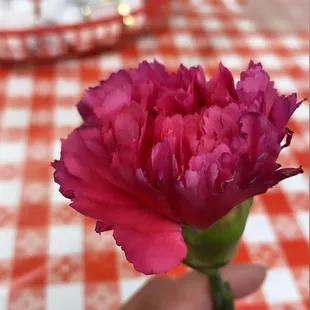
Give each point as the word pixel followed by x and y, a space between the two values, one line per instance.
pixel 159 150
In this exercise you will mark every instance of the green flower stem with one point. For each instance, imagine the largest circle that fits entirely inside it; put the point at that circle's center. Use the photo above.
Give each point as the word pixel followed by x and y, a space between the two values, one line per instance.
pixel 220 291
pixel 210 249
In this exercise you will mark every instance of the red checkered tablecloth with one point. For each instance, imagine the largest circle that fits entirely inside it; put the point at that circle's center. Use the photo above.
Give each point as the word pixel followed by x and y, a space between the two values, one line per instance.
pixel 50 256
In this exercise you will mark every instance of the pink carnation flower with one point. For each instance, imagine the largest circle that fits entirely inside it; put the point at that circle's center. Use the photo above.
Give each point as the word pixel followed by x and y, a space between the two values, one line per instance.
pixel 157 151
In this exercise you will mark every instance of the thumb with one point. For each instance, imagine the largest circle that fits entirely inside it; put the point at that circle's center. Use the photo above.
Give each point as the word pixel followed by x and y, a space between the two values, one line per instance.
pixel 192 291
pixel 244 278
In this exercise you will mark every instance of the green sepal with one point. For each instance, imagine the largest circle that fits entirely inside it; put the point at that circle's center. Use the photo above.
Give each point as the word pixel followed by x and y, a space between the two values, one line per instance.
pixel 214 247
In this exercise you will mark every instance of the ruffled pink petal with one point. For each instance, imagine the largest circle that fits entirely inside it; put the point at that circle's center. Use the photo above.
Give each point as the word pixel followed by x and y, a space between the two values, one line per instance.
pixel 171 129
pixel 87 166
pixel 84 156
pixel 115 92
pixel 147 71
pixel 259 136
pixel 95 97
pixel 217 205
pixel 153 250
pixel 61 174
pixel 220 89
pixel 282 110
pixel 151 242
pixel 102 227
pixel 256 89
pixel 163 166
pixel 98 192
pixel 191 137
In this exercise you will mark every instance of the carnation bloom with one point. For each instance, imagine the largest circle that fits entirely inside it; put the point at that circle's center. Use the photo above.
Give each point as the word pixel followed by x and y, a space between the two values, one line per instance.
pixel 158 151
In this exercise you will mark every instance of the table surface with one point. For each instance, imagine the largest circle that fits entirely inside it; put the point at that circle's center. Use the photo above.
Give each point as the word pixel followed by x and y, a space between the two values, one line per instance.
pixel 50 256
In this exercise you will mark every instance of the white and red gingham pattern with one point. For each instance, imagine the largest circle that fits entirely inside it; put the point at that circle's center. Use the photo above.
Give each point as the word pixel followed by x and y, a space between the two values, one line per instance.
pixel 50 256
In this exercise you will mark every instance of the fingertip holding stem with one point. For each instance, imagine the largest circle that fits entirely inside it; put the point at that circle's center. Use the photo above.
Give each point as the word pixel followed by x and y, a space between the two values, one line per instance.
pixel 244 278
pixel 220 292
pixel 234 281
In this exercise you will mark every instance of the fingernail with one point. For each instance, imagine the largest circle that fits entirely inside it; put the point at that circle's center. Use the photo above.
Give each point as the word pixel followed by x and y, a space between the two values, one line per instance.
pixel 261 267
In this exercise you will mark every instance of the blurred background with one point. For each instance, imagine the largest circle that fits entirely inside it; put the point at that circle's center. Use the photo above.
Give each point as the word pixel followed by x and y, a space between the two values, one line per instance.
pixel 50 52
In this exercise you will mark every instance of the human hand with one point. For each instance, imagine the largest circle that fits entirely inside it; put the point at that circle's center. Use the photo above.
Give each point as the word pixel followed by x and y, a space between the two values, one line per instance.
pixel 191 290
